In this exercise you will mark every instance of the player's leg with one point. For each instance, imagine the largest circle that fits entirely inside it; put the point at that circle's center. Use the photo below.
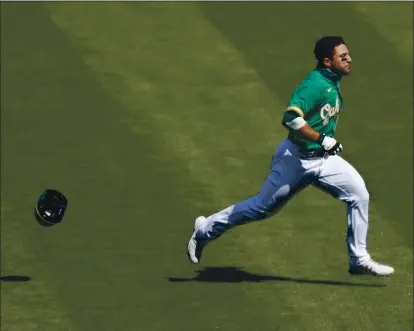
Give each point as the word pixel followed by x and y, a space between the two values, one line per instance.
pixel 288 176
pixel 277 189
pixel 341 180
pixel 273 195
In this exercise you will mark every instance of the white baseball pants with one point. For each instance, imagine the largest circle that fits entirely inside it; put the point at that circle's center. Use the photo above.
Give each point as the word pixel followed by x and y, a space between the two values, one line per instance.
pixel 291 172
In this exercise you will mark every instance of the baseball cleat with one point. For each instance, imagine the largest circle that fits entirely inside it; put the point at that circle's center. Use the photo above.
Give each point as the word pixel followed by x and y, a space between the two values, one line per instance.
pixel 195 247
pixel 370 267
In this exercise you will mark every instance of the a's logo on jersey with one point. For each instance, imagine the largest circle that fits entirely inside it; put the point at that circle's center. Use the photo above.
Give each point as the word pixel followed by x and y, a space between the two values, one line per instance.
pixel 327 112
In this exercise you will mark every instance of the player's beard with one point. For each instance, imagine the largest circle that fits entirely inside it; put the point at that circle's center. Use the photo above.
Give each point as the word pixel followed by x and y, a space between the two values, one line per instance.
pixel 340 72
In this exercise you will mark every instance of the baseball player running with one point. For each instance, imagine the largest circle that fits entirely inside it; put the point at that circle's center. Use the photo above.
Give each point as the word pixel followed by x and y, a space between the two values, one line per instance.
pixel 309 155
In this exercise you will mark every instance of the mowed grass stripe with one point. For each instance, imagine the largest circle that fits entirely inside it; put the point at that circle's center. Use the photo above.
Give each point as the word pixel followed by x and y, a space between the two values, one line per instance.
pixel 29 297
pixel 389 18
pixel 121 63
pixel 244 26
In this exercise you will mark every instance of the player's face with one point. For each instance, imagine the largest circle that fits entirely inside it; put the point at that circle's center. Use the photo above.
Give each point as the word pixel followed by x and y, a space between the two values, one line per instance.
pixel 341 61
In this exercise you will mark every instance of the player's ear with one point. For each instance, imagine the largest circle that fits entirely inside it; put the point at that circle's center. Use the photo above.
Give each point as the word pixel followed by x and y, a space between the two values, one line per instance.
pixel 327 62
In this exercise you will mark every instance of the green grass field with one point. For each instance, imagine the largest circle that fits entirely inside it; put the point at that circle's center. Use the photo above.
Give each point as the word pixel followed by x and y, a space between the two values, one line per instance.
pixel 146 115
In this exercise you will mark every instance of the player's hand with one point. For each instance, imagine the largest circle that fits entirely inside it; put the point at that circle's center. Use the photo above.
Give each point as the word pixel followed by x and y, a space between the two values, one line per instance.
pixel 331 145
pixel 337 148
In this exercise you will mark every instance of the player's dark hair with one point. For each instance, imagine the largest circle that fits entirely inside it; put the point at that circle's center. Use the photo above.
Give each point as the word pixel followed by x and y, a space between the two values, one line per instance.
pixel 325 47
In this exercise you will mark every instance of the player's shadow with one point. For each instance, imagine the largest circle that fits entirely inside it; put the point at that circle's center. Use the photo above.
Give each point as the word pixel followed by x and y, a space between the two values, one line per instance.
pixel 237 275
pixel 14 278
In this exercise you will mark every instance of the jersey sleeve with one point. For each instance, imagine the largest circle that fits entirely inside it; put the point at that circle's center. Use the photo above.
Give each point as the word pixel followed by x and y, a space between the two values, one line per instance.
pixel 304 99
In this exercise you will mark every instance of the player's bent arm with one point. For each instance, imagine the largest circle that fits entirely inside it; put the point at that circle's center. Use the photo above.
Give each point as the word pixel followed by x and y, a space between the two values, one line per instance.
pixel 307 132
pixel 329 144
pixel 301 128
pixel 296 123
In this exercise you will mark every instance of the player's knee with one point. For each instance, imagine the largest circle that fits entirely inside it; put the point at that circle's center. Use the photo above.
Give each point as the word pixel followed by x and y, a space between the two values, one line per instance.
pixel 268 209
pixel 361 195
pixel 260 209
pixel 266 205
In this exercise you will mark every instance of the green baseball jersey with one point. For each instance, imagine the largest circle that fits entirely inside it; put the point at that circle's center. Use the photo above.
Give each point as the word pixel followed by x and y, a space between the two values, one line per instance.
pixel 318 100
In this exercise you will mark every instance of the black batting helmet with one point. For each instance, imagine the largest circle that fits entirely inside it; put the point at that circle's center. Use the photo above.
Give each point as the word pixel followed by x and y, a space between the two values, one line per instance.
pixel 50 208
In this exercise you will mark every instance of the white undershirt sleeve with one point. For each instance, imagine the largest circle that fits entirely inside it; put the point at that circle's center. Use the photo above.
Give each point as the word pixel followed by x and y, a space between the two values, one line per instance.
pixel 296 124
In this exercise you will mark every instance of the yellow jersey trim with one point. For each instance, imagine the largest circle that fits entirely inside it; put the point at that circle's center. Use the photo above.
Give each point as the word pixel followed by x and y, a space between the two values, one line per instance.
pixel 297 110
